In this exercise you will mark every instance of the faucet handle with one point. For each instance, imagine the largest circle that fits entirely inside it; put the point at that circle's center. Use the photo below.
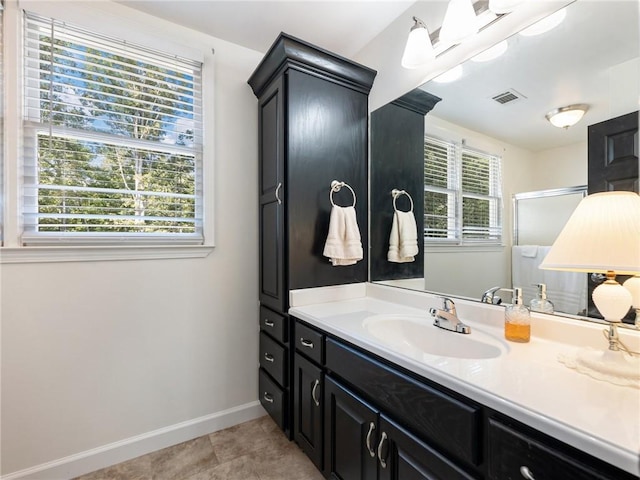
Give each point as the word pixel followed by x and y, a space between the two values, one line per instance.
pixel 448 305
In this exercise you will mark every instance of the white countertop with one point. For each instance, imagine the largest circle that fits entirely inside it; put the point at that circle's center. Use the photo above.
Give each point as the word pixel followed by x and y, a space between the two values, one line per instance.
pixel 526 382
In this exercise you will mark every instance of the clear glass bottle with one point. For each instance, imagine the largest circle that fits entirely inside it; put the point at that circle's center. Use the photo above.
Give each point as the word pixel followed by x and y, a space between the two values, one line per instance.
pixel 541 304
pixel 517 320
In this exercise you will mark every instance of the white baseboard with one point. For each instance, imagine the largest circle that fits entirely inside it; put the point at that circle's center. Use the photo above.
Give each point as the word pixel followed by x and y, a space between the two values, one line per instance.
pixel 101 457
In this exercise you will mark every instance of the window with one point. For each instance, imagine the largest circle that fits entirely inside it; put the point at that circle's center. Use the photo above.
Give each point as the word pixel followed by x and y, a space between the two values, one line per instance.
pixel 113 140
pixel 463 194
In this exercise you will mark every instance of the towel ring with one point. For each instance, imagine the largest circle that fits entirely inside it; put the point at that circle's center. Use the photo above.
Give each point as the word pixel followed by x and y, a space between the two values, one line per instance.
pixel 396 193
pixel 336 186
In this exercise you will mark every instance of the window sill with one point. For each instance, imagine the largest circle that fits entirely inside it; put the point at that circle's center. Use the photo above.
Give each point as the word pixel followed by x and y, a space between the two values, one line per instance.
pixel 468 248
pixel 100 253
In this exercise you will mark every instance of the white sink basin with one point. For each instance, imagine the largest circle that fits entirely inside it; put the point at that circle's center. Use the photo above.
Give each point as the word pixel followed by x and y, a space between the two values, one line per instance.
pixel 417 333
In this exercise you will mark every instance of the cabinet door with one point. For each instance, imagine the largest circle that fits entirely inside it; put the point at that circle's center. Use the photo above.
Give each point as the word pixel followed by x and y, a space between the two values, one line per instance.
pixel 351 433
pixel 402 456
pixel 272 196
pixel 307 413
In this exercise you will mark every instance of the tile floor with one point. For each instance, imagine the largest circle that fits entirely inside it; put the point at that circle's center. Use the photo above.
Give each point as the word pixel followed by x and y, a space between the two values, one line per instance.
pixel 255 450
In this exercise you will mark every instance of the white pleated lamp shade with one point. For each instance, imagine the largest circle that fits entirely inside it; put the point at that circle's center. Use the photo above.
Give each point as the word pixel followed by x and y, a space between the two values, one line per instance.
pixel 602 234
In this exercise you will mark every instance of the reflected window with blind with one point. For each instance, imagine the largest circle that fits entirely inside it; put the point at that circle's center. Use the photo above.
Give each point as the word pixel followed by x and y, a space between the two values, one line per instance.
pixel 463 194
pixel 113 140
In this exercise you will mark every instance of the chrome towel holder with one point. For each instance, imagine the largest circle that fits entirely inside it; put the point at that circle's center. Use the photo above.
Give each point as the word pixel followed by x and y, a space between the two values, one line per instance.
pixel 336 186
pixel 396 193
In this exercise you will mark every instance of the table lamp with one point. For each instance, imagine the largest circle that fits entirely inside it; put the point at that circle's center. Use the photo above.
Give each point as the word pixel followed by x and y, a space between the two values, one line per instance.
pixel 603 236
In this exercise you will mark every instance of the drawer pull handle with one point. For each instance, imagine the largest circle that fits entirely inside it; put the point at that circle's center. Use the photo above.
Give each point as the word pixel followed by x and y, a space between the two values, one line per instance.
pixel 383 438
pixel 268 397
pixel 526 473
pixel 268 323
pixel 306 343
pixel 314 391
pixel 372 427
pixel 268 357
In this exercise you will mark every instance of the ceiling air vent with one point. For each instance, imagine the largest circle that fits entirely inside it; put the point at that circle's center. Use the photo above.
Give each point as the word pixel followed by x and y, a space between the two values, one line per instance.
pixel 508 96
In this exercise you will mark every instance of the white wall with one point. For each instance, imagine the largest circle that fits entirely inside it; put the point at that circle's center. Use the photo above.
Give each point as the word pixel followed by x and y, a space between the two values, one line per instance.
pixel 99 352
pixel 560 167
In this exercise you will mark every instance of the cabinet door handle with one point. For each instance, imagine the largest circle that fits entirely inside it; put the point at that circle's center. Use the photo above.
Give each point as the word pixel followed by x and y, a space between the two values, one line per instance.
pixel 268 397
pixel 306 343
pixel 268 357
pixel 268 323
pixel 278 193
pixel 383 438
pixel 372 427
pixel 526 473
pixel 314 390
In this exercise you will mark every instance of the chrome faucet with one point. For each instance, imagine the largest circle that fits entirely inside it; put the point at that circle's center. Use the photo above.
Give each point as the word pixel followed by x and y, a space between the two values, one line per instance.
pixel 490 297
pixel 447 318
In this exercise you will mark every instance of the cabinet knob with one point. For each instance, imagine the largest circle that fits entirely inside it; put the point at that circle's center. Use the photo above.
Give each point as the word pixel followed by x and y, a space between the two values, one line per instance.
pixel 268 323
pixel 526 473
pixel 268 357
pixel 372 427
pixel 306 343
pixel 383 438
pixel 314 391
pixel 267 397
pixel 278 193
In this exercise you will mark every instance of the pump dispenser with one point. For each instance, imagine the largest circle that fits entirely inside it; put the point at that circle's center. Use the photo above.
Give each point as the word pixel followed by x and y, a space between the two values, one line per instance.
pixel 517 320
pixel 541 304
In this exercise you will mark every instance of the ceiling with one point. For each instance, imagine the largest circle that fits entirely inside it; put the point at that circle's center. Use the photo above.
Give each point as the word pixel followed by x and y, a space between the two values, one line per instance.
pixel 343 27
pixel 570 64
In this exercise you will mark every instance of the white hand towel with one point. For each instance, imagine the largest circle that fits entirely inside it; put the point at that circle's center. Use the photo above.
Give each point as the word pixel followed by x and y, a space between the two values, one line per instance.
pixel 343 245
pixel 530 251
pixel 403 240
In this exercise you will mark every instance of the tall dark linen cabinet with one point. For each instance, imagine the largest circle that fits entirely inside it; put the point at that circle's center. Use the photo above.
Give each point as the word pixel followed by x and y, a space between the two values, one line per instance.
pixel 313 119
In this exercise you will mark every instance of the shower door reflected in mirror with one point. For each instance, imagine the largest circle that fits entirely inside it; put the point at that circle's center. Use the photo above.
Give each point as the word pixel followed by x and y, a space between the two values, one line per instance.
pixel 538 220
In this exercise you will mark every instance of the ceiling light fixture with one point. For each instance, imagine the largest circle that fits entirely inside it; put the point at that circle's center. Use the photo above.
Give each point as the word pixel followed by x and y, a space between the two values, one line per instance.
pixel 565 117
pixel 418 51
pixel 503 6
pixel 460 22
pixel 491 53
pixel 545 24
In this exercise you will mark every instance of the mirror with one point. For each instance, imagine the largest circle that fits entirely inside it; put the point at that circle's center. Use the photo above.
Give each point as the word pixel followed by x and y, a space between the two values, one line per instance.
pixel 591 58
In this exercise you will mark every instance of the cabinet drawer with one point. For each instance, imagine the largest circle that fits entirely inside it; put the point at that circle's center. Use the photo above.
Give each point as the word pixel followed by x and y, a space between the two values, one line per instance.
pixel 310 343
pixel 512 452
pixel 272 398
pixel 273 358
pixel 274 324
pixel 451 425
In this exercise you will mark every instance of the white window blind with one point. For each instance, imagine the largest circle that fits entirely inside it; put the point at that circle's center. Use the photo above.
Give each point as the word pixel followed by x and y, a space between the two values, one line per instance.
pixel 113 140
pixel 463 194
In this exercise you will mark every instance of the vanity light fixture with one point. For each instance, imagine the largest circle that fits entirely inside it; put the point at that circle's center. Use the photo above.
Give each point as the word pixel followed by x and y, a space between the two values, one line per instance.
pixel 503 6
pixel 450 75
pixel 418 51
pixel 491 53
pixel 460 22
pixel 602 236
pixel 546 24
pixel 565 117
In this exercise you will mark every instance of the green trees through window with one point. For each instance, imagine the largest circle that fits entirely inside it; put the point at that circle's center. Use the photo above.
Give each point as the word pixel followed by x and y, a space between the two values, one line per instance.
pixel 115 135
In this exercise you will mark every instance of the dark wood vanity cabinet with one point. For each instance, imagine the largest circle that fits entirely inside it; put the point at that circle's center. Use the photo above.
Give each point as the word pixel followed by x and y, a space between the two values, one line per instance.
pixel 380 422
pixel 313 128
pixel 308 388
